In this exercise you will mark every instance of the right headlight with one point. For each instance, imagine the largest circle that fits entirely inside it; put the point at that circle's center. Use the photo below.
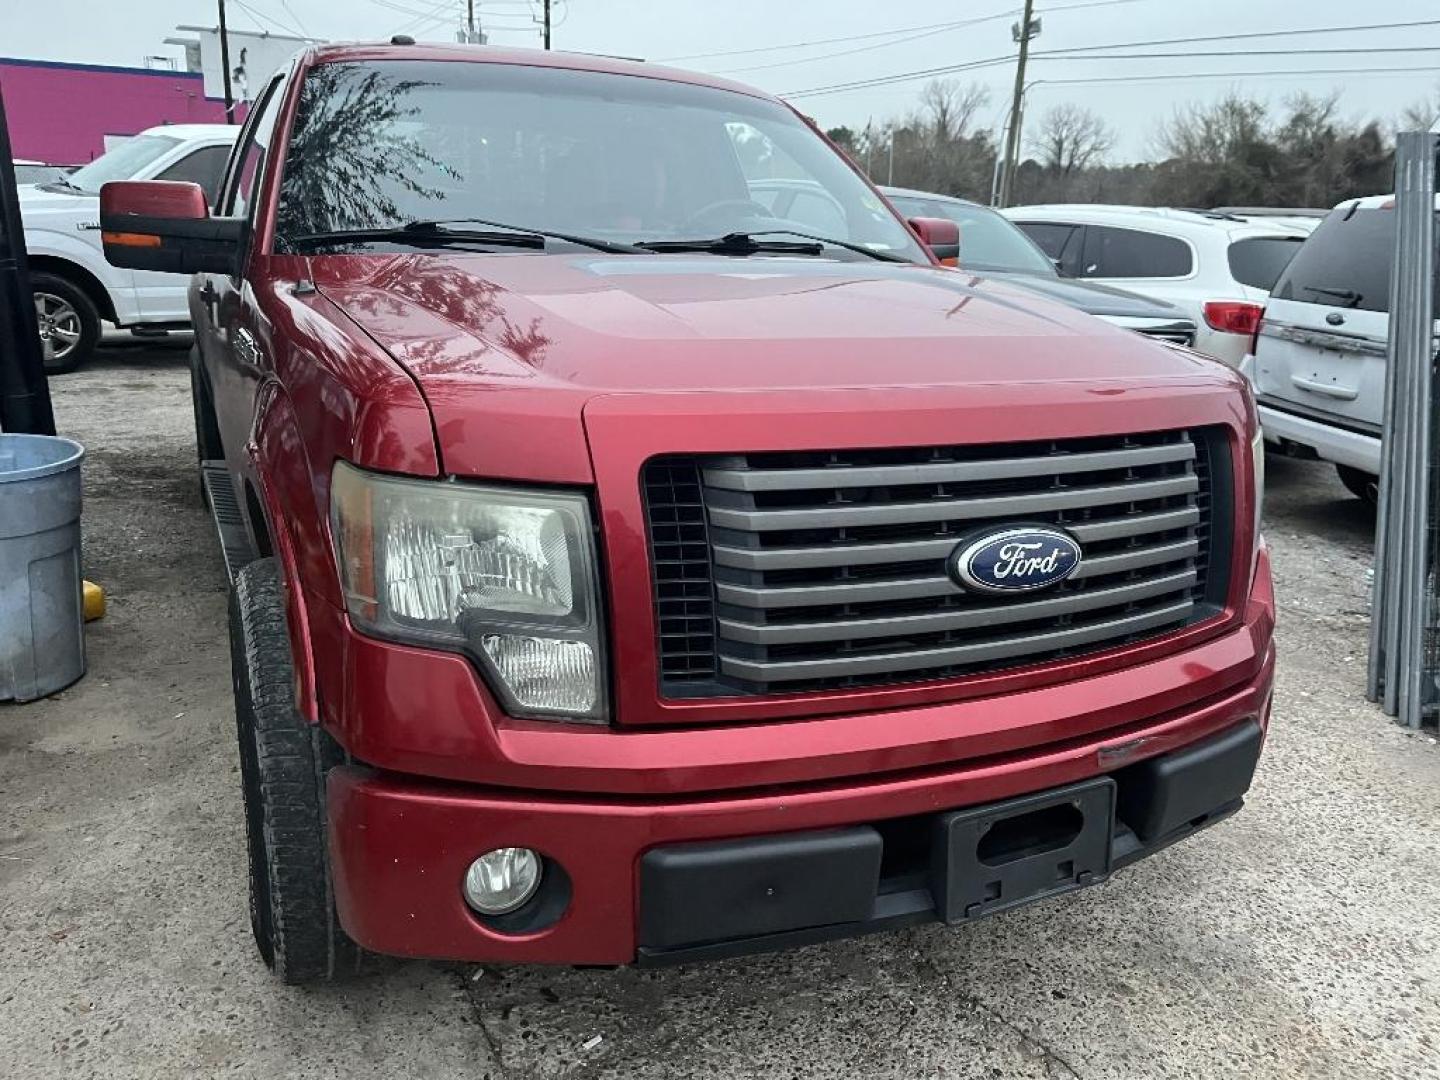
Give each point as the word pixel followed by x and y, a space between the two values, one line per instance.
pixel 506 575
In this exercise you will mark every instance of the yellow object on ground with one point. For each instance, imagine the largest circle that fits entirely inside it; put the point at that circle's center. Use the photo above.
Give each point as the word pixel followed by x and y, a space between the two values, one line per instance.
pixel 94 601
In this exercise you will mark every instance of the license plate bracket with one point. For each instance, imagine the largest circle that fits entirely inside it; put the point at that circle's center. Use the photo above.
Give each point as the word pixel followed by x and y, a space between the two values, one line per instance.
pixel 992 858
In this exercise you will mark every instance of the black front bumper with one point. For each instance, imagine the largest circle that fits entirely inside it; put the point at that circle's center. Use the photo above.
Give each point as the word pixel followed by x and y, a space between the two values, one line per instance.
pixel 706 901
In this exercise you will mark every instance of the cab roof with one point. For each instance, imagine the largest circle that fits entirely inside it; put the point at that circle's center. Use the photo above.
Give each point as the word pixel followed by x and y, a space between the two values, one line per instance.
pixel 489 54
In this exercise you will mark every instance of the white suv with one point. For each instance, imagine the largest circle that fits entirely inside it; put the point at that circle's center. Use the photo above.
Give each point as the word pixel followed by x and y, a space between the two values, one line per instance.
pixel 1216 267
pixel 75 288
pixel 1319 359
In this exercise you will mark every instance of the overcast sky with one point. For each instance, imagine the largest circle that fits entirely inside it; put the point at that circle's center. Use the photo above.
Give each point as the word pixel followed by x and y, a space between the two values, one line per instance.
pixel 125 32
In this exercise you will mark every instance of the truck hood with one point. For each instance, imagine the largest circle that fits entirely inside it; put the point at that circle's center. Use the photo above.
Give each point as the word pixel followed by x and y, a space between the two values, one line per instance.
pixel 527 340
pixel 36 202
pixel 1092 297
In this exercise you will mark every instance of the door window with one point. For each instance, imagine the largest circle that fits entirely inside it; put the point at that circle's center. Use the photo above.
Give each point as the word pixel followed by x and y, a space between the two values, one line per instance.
pixel 1130 253
pixel 1061 242
pixel 249 160
pixel 204 167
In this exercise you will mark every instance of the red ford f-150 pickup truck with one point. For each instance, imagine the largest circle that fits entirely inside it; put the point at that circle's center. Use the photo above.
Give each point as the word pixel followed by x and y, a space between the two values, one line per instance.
pixel 626 574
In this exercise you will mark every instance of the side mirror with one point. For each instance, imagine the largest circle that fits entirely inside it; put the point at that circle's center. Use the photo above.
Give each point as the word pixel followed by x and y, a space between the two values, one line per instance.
pixel 941 236
pixel 165 225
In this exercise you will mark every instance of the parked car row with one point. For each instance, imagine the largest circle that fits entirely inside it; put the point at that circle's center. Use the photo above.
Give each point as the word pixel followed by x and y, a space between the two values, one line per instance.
pixel 1217 267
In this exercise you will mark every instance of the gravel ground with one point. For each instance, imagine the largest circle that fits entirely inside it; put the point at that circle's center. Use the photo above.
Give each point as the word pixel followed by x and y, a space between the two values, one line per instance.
pixel 1296 940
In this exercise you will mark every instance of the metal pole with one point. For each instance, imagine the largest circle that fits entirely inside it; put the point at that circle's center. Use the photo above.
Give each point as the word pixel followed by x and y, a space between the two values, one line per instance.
pixel 890 181
pixel 24 391
pixel 1403 600
pixel 225 65
pixel 1413 331
pixel 547 24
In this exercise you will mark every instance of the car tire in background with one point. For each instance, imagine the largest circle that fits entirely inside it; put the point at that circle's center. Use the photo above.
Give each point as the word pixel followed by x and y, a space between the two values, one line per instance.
pixel 1360 484
pixel 283 762
pixel 68 319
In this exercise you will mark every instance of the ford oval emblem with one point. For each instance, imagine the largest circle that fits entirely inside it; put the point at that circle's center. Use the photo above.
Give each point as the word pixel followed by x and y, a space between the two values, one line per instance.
pixel 1015 560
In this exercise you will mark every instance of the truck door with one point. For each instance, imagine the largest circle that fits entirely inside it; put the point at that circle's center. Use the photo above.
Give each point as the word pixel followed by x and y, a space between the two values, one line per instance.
pixel 225 335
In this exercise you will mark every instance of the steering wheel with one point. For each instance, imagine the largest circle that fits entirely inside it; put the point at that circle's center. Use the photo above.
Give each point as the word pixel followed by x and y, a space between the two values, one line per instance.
pixel 698 220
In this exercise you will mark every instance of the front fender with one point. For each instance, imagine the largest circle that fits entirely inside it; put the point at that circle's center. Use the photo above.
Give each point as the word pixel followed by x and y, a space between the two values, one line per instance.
pixel 75 248
pixel 276 470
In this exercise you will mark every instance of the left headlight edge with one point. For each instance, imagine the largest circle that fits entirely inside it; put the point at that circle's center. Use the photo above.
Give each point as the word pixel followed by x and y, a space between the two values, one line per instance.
pixel 353 514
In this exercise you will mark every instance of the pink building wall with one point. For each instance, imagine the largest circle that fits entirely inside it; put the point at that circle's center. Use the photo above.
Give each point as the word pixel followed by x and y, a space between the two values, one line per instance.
pixel 61 113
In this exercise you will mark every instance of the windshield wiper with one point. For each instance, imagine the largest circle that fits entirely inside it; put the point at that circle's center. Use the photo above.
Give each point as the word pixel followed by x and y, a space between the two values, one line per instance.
pixel 745 243
pixel 1349 295
pixel 440 234
pixel 440 224
pixel 64 183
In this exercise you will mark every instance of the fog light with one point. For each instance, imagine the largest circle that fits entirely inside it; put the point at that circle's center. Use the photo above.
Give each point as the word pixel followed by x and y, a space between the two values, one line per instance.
pixel 502 880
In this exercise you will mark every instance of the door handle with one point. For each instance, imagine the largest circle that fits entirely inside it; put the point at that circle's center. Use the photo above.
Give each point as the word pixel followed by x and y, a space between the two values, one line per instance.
pixel 209 297
pixel 1340 393
pixel 247 349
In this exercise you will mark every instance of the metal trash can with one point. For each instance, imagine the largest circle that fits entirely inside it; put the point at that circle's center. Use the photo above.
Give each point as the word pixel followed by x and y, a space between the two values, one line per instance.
pixel 42 624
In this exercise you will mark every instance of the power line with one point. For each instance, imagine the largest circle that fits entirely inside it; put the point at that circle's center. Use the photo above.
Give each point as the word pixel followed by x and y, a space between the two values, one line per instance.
pixel 1271 72
pixel 1007 14
pixel 928 32
pixel 907 76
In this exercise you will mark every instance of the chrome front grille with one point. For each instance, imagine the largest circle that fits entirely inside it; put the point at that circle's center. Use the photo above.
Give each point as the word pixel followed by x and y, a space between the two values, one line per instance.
pixel 803 571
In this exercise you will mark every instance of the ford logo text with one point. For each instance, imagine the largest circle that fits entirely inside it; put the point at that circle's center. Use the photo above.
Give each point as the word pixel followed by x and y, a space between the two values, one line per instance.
pixel 1015 560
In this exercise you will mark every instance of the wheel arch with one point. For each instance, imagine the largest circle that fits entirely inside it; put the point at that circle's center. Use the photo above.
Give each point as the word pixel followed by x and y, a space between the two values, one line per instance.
pixel 78 276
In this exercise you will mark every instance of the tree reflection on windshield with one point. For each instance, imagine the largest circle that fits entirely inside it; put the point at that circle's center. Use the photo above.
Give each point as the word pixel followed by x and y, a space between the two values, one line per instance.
pixel 353 151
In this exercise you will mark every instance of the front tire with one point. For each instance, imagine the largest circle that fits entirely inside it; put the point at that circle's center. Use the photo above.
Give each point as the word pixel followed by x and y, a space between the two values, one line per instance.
pixel 1360 484
pixel 283 763
pixel 68 320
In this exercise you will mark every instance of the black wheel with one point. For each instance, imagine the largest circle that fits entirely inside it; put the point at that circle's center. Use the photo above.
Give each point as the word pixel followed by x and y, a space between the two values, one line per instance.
pixel 69 322
pixel 283 762
pixel 1360 484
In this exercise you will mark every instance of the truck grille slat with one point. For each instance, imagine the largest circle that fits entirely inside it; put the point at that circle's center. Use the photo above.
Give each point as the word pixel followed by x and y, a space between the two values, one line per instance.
pixel 802 571
pixel 998 649
pixel 942 472
pixel 838 514
pixel 1067 603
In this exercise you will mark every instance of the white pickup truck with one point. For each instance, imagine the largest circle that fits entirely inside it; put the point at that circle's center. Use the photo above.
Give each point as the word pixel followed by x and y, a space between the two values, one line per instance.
pixel 75 288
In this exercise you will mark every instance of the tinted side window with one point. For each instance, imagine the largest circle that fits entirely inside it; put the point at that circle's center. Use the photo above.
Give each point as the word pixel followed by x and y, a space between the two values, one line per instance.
pixel 1345 263
pixel 1258 261
pixel 1130 253
pixel 1053 239
pixel 204 167
pixel 250 158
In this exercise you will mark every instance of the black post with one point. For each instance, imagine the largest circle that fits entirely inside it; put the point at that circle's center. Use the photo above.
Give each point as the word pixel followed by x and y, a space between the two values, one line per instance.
pixel 225 63
pixel 547 24
pixel 24 393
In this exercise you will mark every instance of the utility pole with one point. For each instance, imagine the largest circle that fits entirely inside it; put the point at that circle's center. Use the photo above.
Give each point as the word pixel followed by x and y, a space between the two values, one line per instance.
pixel 1028 27
pixel 470 34
pixel 225 66
pixel 547 24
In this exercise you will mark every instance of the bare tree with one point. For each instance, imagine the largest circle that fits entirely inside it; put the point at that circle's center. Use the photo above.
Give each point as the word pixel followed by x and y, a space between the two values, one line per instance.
pixel 1071 139
pixel 947 109
pixel 1421 115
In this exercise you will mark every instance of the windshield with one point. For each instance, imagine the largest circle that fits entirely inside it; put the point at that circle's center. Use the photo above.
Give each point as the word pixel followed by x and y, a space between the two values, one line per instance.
pixel 1345 263
pixel 613 157
pixel 121 163
pixel 987 240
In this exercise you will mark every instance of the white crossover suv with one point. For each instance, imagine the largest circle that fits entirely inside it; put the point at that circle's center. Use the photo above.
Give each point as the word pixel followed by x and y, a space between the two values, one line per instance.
pixel 1217 267
pixel 1318 365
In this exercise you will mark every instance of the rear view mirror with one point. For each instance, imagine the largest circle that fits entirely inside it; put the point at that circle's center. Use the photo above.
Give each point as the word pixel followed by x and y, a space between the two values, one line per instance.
pixel 165 225
pixel 941 236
